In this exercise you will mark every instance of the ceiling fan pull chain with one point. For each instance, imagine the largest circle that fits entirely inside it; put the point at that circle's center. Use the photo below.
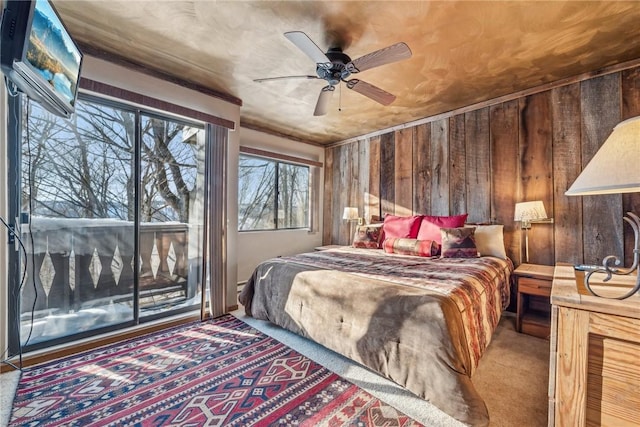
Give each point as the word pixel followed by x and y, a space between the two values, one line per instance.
pixel 340 99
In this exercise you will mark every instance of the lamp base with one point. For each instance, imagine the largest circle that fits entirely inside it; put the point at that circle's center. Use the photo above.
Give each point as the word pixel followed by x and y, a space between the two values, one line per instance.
pixel 584 273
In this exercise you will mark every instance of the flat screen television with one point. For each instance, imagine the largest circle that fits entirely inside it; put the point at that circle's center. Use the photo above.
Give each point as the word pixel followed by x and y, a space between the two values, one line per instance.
pixel 39 56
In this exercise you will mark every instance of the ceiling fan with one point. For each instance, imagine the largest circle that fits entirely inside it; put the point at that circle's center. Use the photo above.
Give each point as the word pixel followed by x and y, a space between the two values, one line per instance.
pixel 335 66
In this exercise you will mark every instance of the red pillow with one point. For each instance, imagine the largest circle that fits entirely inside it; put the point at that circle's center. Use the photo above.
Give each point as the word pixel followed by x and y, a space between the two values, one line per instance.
pixel 404 227
pixel 431 225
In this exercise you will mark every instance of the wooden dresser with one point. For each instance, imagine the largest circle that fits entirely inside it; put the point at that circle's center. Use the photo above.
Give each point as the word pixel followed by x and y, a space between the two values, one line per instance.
pixel 594 377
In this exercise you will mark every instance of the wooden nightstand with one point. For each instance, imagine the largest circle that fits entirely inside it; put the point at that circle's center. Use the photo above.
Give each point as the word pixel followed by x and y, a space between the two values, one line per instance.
pixel 533 314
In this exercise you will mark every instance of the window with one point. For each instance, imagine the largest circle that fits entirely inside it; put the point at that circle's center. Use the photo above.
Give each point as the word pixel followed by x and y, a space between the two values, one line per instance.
pixel 272 194
pixel 115 198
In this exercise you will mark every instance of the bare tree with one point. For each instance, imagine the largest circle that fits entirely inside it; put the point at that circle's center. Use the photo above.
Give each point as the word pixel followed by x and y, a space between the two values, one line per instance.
pixel 84 167
pixel 256 192
pixel 258 205
pixel 293 195
pixel 169 154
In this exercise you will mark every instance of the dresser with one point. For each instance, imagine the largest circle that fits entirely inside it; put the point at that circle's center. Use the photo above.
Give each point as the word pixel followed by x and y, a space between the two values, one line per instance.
pixel 594 371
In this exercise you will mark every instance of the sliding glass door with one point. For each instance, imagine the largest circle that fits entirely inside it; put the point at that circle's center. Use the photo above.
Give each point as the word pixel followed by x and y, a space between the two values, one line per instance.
pixel 112 209
pixel 171 214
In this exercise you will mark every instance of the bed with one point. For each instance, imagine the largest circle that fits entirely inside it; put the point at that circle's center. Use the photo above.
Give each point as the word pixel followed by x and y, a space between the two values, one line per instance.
pixel 421 322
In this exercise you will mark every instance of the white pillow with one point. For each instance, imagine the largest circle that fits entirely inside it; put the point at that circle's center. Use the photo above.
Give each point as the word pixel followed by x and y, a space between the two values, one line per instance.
pixel 490 240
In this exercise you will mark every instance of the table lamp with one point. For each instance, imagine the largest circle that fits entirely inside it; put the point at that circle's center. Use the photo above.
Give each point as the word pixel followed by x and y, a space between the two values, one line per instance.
pixel 614 169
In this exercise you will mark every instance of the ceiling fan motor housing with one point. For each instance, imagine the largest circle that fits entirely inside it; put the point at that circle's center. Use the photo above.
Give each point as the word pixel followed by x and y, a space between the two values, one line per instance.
pixel 338 70
pixel 335 66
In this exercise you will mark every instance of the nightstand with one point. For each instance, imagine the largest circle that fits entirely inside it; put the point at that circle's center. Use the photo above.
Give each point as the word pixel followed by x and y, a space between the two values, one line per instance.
pixel 533 314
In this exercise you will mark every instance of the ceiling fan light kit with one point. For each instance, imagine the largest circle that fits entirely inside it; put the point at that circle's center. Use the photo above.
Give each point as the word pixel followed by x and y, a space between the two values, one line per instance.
pixel 335 66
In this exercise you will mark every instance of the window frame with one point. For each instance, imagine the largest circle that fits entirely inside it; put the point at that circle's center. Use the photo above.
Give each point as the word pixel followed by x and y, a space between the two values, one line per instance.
pixel 278 162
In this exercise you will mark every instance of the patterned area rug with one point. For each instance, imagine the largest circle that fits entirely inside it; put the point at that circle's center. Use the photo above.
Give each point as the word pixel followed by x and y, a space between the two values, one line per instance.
pixel 216 373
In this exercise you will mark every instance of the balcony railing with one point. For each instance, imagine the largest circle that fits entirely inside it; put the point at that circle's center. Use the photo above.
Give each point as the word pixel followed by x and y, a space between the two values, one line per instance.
pixel 83 264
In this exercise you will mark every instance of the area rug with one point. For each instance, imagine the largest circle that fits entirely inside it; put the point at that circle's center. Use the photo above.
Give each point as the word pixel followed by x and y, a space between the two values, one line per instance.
pixel 221 372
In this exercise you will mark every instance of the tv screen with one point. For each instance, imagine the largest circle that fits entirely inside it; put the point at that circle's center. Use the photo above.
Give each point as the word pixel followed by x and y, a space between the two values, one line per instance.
pixel 39 56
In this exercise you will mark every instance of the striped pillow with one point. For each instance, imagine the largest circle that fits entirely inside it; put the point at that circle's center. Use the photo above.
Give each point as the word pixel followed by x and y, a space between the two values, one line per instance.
pixel 415 247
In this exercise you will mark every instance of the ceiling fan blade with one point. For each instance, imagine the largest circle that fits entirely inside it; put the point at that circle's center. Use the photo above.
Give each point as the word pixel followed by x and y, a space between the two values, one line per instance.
pixel 285 77
pixel 371 91
pixel 323 100
pixel 387 55
pixel 307 45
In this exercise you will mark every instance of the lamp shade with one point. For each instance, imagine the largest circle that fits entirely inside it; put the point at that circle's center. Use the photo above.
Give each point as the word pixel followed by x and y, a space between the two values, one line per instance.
pixel 530 211
pixel 350 213
pixel 615 167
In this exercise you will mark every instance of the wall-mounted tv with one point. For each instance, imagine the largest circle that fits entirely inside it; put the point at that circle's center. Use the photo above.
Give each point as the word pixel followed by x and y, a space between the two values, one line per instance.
pixel 39 56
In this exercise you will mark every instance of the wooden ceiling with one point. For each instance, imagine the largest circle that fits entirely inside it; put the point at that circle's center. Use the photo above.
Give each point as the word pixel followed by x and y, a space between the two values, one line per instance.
pixel 464 52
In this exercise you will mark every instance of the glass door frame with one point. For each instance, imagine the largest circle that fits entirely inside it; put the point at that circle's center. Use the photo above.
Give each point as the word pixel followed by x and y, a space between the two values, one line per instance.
pixel 14 190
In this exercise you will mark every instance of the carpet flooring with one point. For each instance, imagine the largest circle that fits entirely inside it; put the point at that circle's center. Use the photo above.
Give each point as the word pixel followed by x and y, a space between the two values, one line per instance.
pixel 512 378
pixel 221 372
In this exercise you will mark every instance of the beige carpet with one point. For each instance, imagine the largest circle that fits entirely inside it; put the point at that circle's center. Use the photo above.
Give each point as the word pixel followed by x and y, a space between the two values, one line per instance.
pixel 512 378
pixel 8 385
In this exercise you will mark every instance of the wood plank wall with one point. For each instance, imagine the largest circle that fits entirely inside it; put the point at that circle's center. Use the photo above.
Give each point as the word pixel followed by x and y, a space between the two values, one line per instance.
pixel 484 161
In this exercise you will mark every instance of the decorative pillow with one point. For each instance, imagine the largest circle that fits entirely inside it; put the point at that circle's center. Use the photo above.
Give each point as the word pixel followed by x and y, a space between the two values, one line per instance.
pixel 425 248
pixel 367 236
pixel 490 240
pixel 458 243
pixel 431 225
pixel 401 226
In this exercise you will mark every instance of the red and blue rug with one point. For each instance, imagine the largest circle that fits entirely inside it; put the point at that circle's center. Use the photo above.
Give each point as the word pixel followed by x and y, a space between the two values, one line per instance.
pixel 221 372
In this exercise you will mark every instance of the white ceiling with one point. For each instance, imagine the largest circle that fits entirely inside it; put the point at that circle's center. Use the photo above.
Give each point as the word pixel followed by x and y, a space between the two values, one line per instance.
pixel 463 52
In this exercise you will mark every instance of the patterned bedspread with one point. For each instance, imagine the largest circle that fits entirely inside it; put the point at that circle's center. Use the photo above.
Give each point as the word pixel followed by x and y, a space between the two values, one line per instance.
pixel 422 322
